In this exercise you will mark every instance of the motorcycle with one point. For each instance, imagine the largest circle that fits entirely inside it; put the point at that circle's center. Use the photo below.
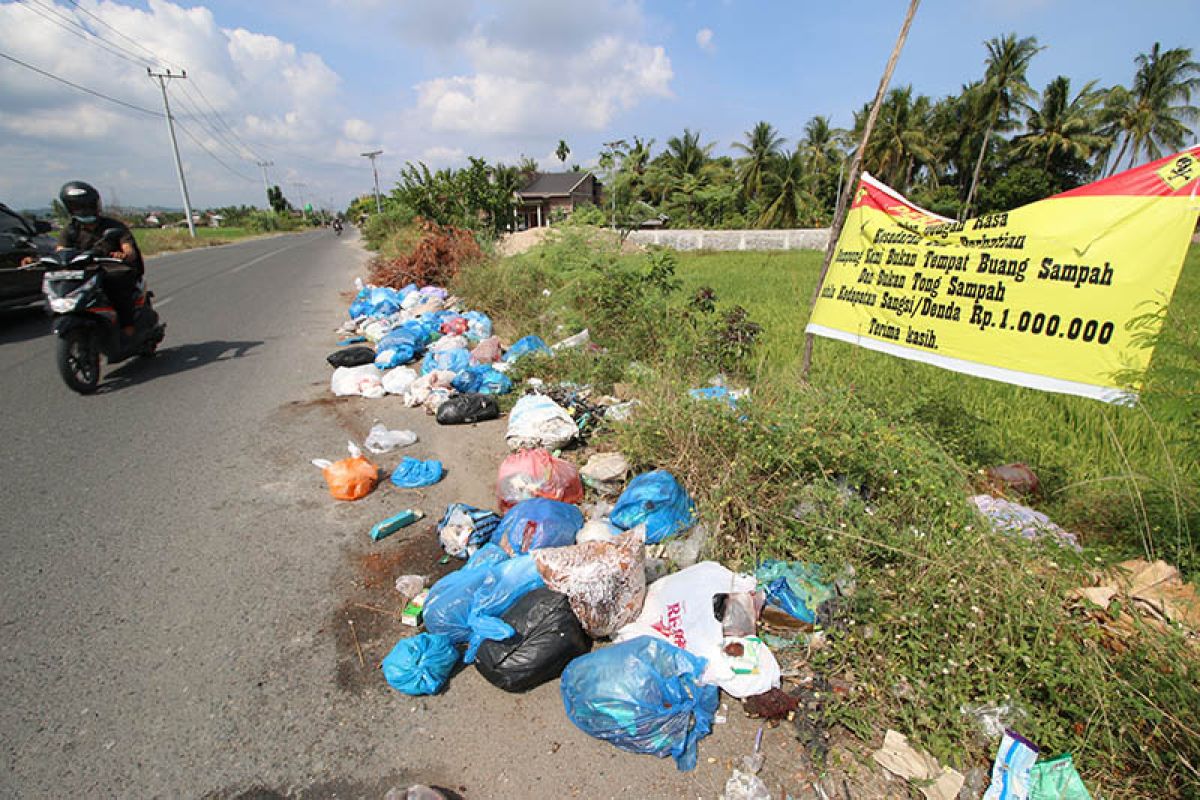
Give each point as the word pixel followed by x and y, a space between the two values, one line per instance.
pixel 85 320
pixel 337 227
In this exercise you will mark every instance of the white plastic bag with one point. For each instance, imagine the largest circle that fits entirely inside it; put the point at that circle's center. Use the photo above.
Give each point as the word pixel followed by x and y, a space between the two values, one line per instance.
pixel 679 608
pixel 398 379
pixel 538 421
pixel 365 380
pixel 420 389
pixel 449 343
pixel 382 440
pixel 578 340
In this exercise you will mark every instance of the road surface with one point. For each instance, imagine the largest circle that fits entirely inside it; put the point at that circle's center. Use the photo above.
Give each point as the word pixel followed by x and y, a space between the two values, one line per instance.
pixel 178 586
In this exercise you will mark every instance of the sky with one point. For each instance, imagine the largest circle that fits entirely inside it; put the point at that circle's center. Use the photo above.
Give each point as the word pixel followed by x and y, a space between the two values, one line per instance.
pixel 310 86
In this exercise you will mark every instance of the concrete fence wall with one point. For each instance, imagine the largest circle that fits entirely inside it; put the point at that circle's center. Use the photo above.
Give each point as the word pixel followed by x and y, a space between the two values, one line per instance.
pixel 797 239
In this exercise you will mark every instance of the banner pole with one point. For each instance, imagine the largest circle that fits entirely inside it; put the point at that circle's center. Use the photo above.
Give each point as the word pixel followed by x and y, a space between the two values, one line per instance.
pixel 843 205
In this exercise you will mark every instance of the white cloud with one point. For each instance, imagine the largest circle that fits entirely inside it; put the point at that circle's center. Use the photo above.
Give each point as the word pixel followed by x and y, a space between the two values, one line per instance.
pixel 358 130
pixel 704 39
pixel 438 156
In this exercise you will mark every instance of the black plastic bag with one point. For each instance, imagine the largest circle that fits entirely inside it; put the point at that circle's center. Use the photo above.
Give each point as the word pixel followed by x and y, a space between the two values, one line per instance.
pixel 548 638
pixel 351 357
pixel 465 408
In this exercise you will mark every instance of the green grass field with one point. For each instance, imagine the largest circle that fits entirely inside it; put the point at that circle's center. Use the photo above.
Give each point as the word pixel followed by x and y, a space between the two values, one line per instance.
pixel 1128 474
pixel 161 240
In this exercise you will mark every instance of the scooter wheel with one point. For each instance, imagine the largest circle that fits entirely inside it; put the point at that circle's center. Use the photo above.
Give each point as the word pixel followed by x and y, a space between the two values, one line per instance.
pixel 79 361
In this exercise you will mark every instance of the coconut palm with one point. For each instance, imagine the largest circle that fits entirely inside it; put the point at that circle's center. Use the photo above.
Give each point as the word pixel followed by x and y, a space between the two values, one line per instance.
pixel 787 203
pixel 1005 89
pixel 562 151
pixel 686 156
pixel 762 144
pixel 901 143
pixel 1155 112
pixel 1061 126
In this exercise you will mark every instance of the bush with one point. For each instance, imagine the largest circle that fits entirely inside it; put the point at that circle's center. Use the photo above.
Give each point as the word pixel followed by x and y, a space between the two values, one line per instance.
pixel 435 260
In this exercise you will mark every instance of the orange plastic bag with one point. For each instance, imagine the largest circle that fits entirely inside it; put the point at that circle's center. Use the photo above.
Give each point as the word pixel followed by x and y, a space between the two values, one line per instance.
pixel 351 478
pixel 536 473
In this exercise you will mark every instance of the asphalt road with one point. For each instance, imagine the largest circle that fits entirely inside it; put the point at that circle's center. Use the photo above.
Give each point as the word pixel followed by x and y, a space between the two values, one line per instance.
pixel 177 585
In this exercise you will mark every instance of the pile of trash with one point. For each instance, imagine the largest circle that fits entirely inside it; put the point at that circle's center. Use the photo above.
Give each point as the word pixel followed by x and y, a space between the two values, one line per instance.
pixel 553 588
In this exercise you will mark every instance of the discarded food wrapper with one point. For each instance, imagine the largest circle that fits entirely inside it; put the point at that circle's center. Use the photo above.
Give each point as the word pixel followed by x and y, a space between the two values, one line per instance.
pixel 1056 779
pixel 351 478
pixel 464 529
pixel 410 585
pixel 413 611
pixel 420 664
pixel 385 528
pixel 642 695
pixel 605 581
pixel 413 473
pixel 381 440
pixel 1010 771
pixel 547 637
pixel 929 777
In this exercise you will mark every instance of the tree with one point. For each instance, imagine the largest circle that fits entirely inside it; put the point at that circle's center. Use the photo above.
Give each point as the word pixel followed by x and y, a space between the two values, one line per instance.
pixel 762 145
pixel 787 202
pixel 1061 127
pixel 562 151
pixel 279 203
pixel 1155 112
pixel 1004 89
pixel 901 144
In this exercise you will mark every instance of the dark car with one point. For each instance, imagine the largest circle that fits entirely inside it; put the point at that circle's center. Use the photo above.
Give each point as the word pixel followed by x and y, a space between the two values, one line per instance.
pixel 19 238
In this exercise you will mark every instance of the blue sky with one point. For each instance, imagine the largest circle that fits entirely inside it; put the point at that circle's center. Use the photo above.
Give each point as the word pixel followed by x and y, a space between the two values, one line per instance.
pixel 311 85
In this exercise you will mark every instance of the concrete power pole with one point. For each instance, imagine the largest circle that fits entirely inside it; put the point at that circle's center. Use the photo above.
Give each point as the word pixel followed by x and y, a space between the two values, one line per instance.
pixel 162 84
pixel 266 186
pixel 371 155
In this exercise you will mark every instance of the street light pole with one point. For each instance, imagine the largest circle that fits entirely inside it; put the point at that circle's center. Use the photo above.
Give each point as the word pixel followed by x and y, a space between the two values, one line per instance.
pixel 162 84
pixel 371 155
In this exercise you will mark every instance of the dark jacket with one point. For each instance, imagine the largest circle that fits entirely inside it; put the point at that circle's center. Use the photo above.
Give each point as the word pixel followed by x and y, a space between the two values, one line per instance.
pixel 78 237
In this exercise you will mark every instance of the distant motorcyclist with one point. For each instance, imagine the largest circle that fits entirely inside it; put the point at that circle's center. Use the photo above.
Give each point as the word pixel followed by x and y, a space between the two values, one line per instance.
pixel 86 230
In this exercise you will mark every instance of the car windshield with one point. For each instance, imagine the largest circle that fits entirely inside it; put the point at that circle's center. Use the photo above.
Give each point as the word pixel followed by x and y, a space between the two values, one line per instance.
pixel 11 223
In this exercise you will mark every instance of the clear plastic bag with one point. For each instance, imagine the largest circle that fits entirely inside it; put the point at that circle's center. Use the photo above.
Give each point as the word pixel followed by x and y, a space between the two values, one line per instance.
pixel 381 440
pixel 605 581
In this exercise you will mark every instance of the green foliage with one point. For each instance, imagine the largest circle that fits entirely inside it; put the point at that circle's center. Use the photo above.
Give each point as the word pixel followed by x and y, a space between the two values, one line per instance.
pixel 588 214
pixel 279 203
pixel 479 197
pixel 1023 183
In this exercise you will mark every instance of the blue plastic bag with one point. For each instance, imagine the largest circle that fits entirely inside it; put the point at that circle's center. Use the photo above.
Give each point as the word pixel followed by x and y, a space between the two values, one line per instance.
pixel 397 348
pixel 455 360
pixel 658 500
pixel 420 664
pixel 375 301
pixel 644 696
pixel 719 393
pixel 449 600
pixel 530 344
pixel 505 584
pixel 482 379
pixel 538 522
pixel 413 473
pixel 473 529
pixel 794 586
pixel 479 325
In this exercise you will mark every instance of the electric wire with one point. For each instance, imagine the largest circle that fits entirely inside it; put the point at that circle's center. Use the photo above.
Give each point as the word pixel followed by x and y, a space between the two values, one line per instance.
pixel 210 153
pixel 54 15
pixel 157 58
pixel 93 92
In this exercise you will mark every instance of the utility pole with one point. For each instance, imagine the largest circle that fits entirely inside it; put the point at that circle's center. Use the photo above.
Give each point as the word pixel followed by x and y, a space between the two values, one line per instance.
pixel 839 214
pixel 300 187
pixel 162 84
pixel 266 186
pixel 371 155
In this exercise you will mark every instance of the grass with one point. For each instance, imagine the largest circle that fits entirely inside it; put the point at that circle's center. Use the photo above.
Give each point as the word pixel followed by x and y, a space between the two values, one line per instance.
pixel 868 468
pixel 162 240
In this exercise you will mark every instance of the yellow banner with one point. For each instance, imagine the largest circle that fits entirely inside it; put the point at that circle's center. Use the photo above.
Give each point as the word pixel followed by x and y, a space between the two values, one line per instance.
pixel 1039 296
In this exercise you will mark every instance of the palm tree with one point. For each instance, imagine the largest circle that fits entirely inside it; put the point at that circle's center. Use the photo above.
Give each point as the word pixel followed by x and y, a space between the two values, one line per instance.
pixel 1155 112
pixel 787 202
pixel 686 156
pixel 1061 126
pixel 762 144
pixel 562 151
pixel 901 143
pixel 1005 88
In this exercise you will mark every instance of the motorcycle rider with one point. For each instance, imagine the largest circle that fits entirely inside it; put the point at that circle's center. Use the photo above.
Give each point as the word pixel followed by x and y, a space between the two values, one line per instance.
pixel 86 230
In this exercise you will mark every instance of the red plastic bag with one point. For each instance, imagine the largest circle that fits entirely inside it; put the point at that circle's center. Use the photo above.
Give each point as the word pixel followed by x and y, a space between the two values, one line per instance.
pixel 455 326
pixel 536 473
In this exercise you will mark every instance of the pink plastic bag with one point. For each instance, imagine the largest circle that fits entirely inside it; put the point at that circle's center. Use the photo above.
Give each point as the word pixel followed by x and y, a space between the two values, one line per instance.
pixel 487 351
pixel 455 326
pixel 536 473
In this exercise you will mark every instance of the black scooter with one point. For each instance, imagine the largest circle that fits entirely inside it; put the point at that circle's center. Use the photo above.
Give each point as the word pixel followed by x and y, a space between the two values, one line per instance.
pixel 85 320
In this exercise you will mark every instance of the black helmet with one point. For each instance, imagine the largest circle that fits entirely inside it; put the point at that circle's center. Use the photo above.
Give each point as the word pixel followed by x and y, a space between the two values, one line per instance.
pixel 81 200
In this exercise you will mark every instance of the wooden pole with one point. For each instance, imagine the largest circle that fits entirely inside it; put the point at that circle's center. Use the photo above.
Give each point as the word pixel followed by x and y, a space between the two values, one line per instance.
pixel 839 216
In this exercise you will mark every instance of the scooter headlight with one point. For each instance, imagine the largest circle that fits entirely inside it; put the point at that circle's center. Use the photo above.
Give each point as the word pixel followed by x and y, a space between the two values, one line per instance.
pixel 63 305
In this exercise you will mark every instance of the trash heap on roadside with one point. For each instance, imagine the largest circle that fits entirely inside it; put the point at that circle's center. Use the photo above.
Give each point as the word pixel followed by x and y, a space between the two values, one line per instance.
pixel 593 576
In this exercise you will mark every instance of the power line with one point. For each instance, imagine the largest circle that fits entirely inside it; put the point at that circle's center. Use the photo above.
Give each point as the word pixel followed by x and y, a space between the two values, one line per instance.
pixel 233 132
pixel 212 130
pixel 81 88
pixel 211 154
pixel 134 42
pixel 54 15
